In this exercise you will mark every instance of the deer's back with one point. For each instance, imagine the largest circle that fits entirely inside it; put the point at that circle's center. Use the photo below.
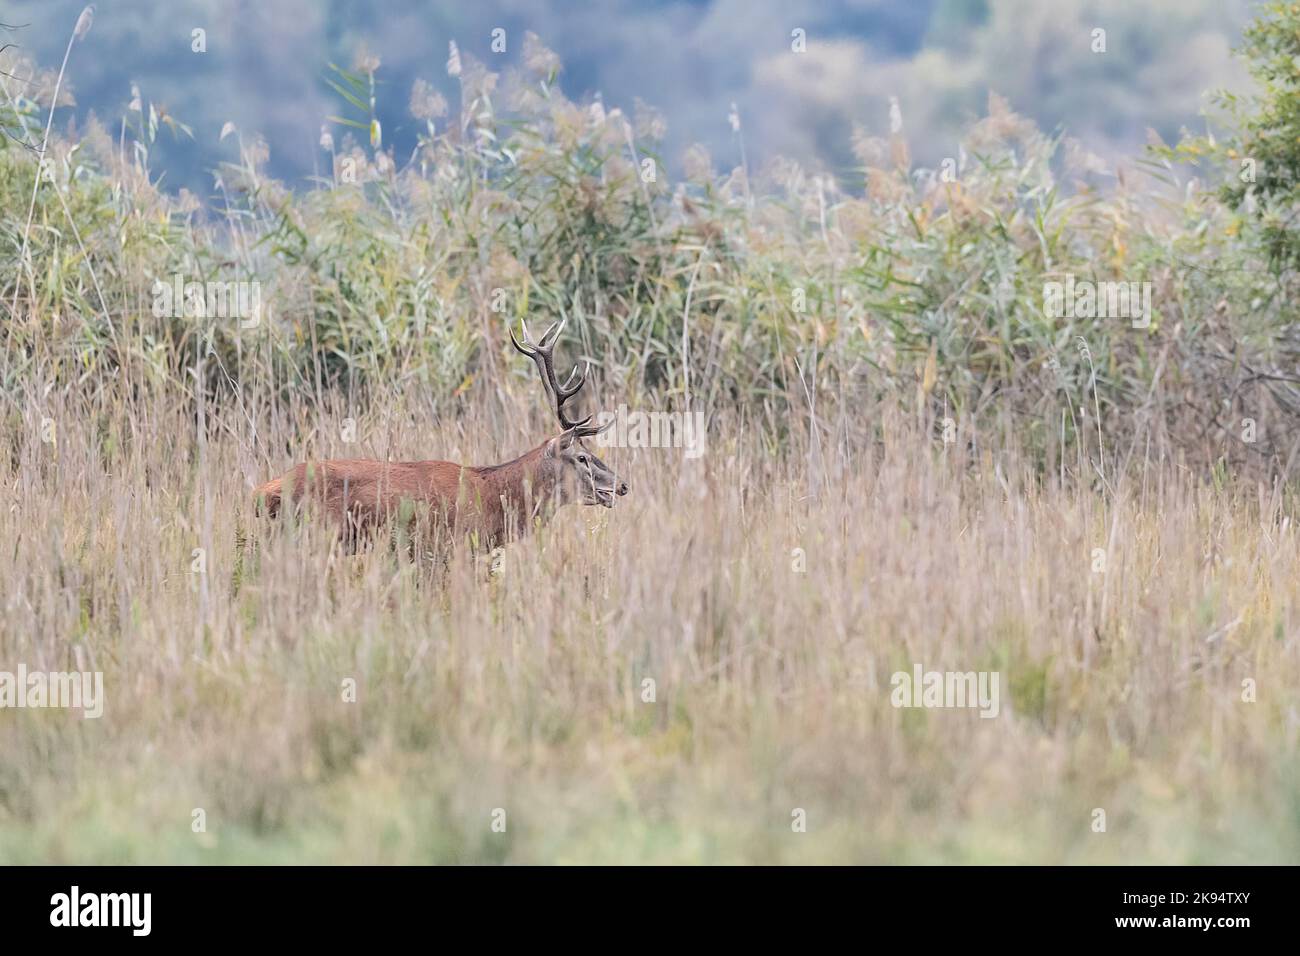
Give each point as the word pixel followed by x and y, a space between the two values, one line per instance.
pixel 362 491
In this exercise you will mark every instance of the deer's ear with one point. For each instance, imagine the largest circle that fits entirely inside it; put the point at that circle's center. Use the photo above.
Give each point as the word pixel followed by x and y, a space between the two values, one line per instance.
pixel 557 445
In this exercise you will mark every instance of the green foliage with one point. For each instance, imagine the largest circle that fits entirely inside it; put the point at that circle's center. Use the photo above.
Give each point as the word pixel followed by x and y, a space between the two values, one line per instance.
pixel 774 290
pixel 1259 159
pixel 1270 135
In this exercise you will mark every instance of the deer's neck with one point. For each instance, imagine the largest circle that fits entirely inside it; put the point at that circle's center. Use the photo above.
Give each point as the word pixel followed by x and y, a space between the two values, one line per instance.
pixel 521 490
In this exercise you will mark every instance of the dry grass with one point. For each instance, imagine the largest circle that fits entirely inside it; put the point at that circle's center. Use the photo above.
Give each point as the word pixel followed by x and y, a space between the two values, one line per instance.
pixel 522 690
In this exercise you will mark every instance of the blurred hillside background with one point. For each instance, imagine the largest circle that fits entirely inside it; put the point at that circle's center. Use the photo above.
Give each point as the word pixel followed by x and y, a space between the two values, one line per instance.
pixel 265 68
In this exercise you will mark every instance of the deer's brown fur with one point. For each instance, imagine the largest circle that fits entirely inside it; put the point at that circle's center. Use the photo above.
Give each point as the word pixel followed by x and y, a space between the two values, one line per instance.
pixel 361 495
pixel 492 503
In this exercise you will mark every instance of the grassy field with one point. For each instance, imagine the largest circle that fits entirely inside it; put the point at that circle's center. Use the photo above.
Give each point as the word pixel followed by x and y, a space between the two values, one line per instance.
pixel 704 673
pixel 521 689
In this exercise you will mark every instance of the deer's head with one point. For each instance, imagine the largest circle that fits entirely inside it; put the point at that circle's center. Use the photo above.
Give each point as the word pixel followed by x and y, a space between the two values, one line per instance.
pixel 577 473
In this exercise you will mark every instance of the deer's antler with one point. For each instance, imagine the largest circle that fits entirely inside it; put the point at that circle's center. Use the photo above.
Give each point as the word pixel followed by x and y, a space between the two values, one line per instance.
pixel 542 354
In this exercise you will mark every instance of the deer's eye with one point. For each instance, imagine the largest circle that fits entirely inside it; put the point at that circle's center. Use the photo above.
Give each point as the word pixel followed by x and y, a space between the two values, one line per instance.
pixel 582 459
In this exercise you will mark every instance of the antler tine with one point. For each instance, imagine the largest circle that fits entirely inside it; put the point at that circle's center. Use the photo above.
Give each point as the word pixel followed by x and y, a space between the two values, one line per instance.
pixel 584 430
pixel 515 342
pixel 548 342
pixel 542 354
pixel 547 348
pixel 566 391
pixel 573 372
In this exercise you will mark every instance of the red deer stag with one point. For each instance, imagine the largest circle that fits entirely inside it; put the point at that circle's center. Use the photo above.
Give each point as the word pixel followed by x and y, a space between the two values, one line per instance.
pixel 489 503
